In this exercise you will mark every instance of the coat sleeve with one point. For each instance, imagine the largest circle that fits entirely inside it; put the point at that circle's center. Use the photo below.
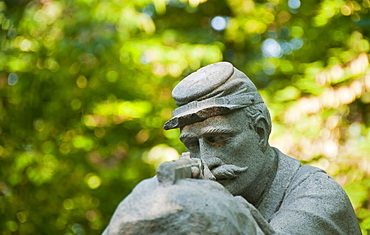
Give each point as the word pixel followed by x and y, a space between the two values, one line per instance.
pixel 315 204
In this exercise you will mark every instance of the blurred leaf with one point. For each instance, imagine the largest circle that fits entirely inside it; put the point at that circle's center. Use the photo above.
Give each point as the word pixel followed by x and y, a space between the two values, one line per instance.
pixel 85 88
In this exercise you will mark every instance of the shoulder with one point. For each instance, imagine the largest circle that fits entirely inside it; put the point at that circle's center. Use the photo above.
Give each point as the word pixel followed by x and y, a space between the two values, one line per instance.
pixel 308 181
pixel 312 183
pixel 316 179
pixel 315 202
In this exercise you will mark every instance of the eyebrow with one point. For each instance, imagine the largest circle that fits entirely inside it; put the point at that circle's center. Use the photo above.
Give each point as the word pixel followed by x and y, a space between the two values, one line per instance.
pixel 217 130
pixel 208 131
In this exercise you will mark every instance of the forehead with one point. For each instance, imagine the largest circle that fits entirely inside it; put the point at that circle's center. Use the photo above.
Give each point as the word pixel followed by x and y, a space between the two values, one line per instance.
pixel 233 122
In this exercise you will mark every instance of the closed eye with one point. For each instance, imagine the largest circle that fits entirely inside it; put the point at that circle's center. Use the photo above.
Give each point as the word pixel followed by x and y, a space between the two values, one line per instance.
pixel 217 139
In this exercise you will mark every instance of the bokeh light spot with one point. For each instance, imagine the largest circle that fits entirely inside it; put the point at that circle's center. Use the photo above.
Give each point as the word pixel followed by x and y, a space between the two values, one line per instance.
pixel 12 79
pixel 271 48
pixel 91 215
pixel 346 10
pixel 161 153
pixel 99 132
pixel 297 32
pixel 112 76
pixel 25 45
pixel 287 48
pixel 78 229
pixel 219 23
pixel 269 68
pixel 12 225
pixel 68 204
pixel 297 43
pixel 22 216
pixel 93 181
pixel 294 4
pixel 81 81
pixel 83 142
pixel 354 129
pixel 76 104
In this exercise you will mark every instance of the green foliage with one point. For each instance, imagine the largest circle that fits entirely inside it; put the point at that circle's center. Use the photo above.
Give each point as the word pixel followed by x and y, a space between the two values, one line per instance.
pixel 85 88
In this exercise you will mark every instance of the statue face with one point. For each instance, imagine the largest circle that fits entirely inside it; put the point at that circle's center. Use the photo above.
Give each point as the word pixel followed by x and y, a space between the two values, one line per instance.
pixel 230 149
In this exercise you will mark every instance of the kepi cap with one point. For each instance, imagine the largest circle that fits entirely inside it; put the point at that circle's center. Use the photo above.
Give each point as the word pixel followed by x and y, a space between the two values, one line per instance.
pixel 213 90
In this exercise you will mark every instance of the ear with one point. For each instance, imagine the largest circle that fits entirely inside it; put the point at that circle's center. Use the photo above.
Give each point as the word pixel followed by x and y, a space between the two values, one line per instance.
pixel 261 128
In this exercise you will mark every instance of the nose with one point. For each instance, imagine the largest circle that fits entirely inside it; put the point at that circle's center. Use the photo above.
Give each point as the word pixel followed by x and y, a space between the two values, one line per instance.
pixel 208 155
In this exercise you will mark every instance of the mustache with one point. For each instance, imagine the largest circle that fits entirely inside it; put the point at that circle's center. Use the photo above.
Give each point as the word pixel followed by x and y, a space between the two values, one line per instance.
pixel 226 171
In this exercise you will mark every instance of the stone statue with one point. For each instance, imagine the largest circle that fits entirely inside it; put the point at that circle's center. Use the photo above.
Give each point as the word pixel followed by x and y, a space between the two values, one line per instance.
pixel 225 124
pixel 187 207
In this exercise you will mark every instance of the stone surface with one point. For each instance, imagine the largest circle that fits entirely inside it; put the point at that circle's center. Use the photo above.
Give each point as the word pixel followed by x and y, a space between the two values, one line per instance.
pixel 225 124
pixel 188 207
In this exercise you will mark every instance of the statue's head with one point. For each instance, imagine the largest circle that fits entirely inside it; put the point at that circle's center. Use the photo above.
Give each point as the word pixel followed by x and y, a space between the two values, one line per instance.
pixel 224 121
pixel 188 207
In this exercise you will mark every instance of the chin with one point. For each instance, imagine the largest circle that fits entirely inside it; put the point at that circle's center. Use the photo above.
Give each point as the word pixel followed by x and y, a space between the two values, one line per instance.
pixel 236 186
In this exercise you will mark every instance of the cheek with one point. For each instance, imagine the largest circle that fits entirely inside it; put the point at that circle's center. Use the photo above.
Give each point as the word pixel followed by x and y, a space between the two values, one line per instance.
pixel 244 152
pixel 247 144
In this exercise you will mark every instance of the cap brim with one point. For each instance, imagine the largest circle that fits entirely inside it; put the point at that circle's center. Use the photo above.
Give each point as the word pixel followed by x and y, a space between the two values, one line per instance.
pixel 198 115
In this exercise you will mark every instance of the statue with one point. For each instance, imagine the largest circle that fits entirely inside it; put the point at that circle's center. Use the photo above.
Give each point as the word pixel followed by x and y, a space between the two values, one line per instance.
pixel 225 126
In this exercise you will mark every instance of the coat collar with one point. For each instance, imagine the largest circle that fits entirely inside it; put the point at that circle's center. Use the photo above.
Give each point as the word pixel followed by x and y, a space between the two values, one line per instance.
pixel 272 199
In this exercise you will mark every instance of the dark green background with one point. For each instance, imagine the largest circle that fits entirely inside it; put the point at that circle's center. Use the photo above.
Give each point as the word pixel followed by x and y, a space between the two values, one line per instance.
pixel 85 87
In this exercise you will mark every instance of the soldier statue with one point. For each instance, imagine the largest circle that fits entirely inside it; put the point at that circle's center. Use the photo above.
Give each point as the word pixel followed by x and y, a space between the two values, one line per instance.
pixel 225 126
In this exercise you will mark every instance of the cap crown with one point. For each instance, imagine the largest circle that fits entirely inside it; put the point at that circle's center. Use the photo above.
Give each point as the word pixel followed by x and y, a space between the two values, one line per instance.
pixel 213 90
